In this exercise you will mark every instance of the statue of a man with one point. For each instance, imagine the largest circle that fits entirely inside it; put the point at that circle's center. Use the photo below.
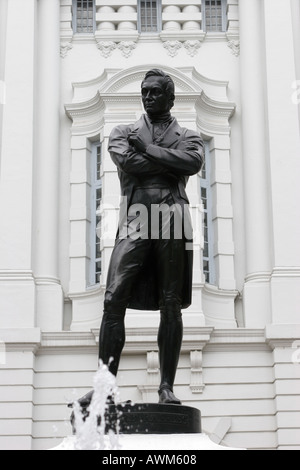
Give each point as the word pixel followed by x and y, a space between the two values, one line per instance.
pixel 151 264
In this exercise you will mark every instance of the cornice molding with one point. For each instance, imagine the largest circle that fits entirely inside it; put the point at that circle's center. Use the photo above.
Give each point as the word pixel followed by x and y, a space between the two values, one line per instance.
pixel 283 336
pixel 286 271
pixel 143 340
pixel 16 275
pixel 21 339
pixel 186 78
pixel 215 291
pixel 277 272
pixel 85 108
pixel 238 339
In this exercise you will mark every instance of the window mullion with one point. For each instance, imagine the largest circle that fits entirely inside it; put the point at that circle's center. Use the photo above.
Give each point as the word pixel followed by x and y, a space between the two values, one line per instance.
pixel 149 14
pixel 207 255
pixel 81 17
pixel 84 16
pixel 214 15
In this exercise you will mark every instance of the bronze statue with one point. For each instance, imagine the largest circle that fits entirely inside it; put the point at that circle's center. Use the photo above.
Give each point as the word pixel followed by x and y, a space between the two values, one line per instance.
pixel 151 267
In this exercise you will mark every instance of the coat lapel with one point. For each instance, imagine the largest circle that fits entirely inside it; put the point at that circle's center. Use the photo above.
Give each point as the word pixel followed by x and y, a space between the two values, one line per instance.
pixel 145 127
pixel 172 135
pixel 170 138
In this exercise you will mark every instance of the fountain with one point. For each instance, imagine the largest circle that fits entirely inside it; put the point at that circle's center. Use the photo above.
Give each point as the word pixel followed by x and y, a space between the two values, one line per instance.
pixel 91 427
pixel 108 425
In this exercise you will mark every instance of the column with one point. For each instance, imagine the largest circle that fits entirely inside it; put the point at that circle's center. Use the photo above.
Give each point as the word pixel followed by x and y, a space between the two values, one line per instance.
pixel 3 21
pixel 285 342
pixel 256 299
pixel 46 193
pixel 284 161
pixel 17 292
pixel 18 335
pixel 296 33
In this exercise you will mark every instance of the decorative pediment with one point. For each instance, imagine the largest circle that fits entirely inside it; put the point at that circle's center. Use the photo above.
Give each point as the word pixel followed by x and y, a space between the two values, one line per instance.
pixel 117 92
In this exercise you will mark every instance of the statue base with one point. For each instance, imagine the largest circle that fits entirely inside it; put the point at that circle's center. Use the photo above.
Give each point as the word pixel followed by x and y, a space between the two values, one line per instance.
pixel 153 418
pixel 137 444
pixel 150 418
pixel 149 426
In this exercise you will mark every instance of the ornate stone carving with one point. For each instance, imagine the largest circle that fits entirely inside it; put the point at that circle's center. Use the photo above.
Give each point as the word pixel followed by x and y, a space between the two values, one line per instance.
pixel 149 390
pixel 196 384
pixel 106 48
pixel 127 47
pixel 192 47
pixel 172 47
pixel 65 48
pixel 234 45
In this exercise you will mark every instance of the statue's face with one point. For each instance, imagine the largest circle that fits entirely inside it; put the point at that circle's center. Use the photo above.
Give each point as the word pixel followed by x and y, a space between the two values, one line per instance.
pixel 155 100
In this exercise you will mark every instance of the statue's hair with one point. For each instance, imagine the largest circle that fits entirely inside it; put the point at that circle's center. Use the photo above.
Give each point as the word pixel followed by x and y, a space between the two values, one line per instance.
pixel 168 83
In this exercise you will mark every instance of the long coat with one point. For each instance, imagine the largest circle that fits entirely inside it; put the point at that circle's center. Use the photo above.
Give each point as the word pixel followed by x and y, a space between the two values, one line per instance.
pixel 178 155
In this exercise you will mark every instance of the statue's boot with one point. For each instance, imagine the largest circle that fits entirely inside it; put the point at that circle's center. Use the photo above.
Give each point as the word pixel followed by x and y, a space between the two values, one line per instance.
pixel 166 396
pixel 169 342
pixel 84 401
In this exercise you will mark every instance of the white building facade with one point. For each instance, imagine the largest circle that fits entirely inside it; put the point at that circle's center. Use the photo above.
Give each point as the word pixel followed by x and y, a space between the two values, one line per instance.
pixel 69 72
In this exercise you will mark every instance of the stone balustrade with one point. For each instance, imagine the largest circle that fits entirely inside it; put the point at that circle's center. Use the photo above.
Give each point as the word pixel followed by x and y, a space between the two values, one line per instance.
pixel 181 26
pixel 177 17
pixel 115 16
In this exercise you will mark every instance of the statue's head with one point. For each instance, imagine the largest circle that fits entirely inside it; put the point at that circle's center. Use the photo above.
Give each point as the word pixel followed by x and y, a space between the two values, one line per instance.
pixel 158 92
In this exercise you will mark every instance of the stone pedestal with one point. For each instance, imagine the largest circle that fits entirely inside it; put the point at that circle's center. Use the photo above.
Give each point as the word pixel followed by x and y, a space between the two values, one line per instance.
pixel 149 418
pixel 140 444
pixel 152 418
pixel 150 426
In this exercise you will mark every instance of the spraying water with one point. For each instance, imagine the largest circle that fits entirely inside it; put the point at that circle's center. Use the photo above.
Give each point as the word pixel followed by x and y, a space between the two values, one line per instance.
pixel 91 430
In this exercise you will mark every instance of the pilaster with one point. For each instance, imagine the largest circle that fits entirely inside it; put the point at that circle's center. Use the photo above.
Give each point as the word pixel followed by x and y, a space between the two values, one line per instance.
pixel 256 296
pixel 3 21
pixel 296 33
pixel 285 342
pixel 284 164
pixel 46 195
pixel 17 371
pixel 17 290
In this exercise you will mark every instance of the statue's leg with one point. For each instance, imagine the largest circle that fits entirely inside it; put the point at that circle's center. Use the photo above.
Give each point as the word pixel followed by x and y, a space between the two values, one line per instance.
pixel 125 265
pixel 111 343
pixel 169 343
pixel 112 338
pixel 170 273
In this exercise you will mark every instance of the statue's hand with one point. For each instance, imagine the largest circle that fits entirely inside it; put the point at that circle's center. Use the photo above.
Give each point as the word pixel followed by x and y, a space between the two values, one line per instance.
pixel 137 141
